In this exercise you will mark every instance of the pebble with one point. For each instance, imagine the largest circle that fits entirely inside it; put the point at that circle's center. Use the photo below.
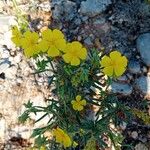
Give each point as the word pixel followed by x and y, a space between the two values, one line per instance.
pixel 4 66
pixel 143 46
pixel 94 7
pixel 134 67
pixel 134 135
pixel 121 88
pixel 123 79
pixel 143 84
pixel 64 7
pixel 11 72
pixel 45 6
pixel 140 146
pixel 2 129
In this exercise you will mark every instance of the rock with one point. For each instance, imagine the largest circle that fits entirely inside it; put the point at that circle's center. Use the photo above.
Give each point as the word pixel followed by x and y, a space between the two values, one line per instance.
pixel 45 6
pixel 121 88
pixel 143 46
pixel 123 79
pixel 4 66
pixel 94 7
pixel 88 42
pixel 67 9
pixel 123 125
pixel 11 72
pixel 2 129
pixel 4 53
pixel 143 84
pixel 134 67
pixel 140 146
pixel 134 135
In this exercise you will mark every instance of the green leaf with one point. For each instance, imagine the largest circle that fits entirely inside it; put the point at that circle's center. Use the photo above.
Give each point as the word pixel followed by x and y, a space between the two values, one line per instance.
pixel 23 117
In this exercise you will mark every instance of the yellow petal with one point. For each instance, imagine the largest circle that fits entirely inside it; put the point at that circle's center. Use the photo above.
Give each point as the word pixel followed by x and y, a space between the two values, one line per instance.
pixel 34 36
pixel 75 106
pixel 28 52
pixel 67 58
pixel 82 53
pixel 78 97
pixel 108 71
pixel 75 61
pixel 73 102
pixel 47 34
pixel 119 71
pixel 61 44
pixel 80 107
pixel 115 55
pixel 67 141
pixel 76 45
pixel 83 102
pixel 16 41
pixel 123 61
pixel 43 45
pixel 57 34
pixel 105 62
pixel 53 52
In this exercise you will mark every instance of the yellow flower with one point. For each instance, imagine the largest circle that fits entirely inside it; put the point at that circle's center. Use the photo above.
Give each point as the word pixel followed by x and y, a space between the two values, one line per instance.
pixel 30 43
pixel 114 65
pixel 74 52
pixel 52 42
pixel 16 36
pixel 78 104
pixel 62 137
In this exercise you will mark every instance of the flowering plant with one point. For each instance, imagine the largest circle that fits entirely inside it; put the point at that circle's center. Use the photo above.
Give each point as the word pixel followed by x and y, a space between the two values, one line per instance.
pixel 83 110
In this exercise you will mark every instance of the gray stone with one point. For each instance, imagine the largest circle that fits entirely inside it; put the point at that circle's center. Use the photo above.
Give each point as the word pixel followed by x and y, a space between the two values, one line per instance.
pixel 67 9
pixel 143 84
pixel 134 67
pixel 94 7
pixel 121 88
pixel 143 45
pixel 134 135
pixel 4 65
pixel 140 146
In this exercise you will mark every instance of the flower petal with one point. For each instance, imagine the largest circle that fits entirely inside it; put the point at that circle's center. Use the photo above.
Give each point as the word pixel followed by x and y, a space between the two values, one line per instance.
pixel 105 62
pixel 115 55
pixel 61 44
pixel 43 45
pixel 108 71
pixel 75 61
pixel 83 102
pixel 76 45
pixel 123 61
pixel 53 52
pixel 67 57
pixel 78 97
pixel 47 34
pixel 82 53
pixel 119 71
pixel 57 34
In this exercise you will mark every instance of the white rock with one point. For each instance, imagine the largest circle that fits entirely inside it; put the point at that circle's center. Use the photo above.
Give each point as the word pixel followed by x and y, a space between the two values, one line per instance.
pixel 2 129
pixel 11 72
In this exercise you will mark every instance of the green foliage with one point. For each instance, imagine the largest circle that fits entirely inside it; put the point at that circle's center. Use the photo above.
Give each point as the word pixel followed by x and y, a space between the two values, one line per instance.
pixel 70 81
